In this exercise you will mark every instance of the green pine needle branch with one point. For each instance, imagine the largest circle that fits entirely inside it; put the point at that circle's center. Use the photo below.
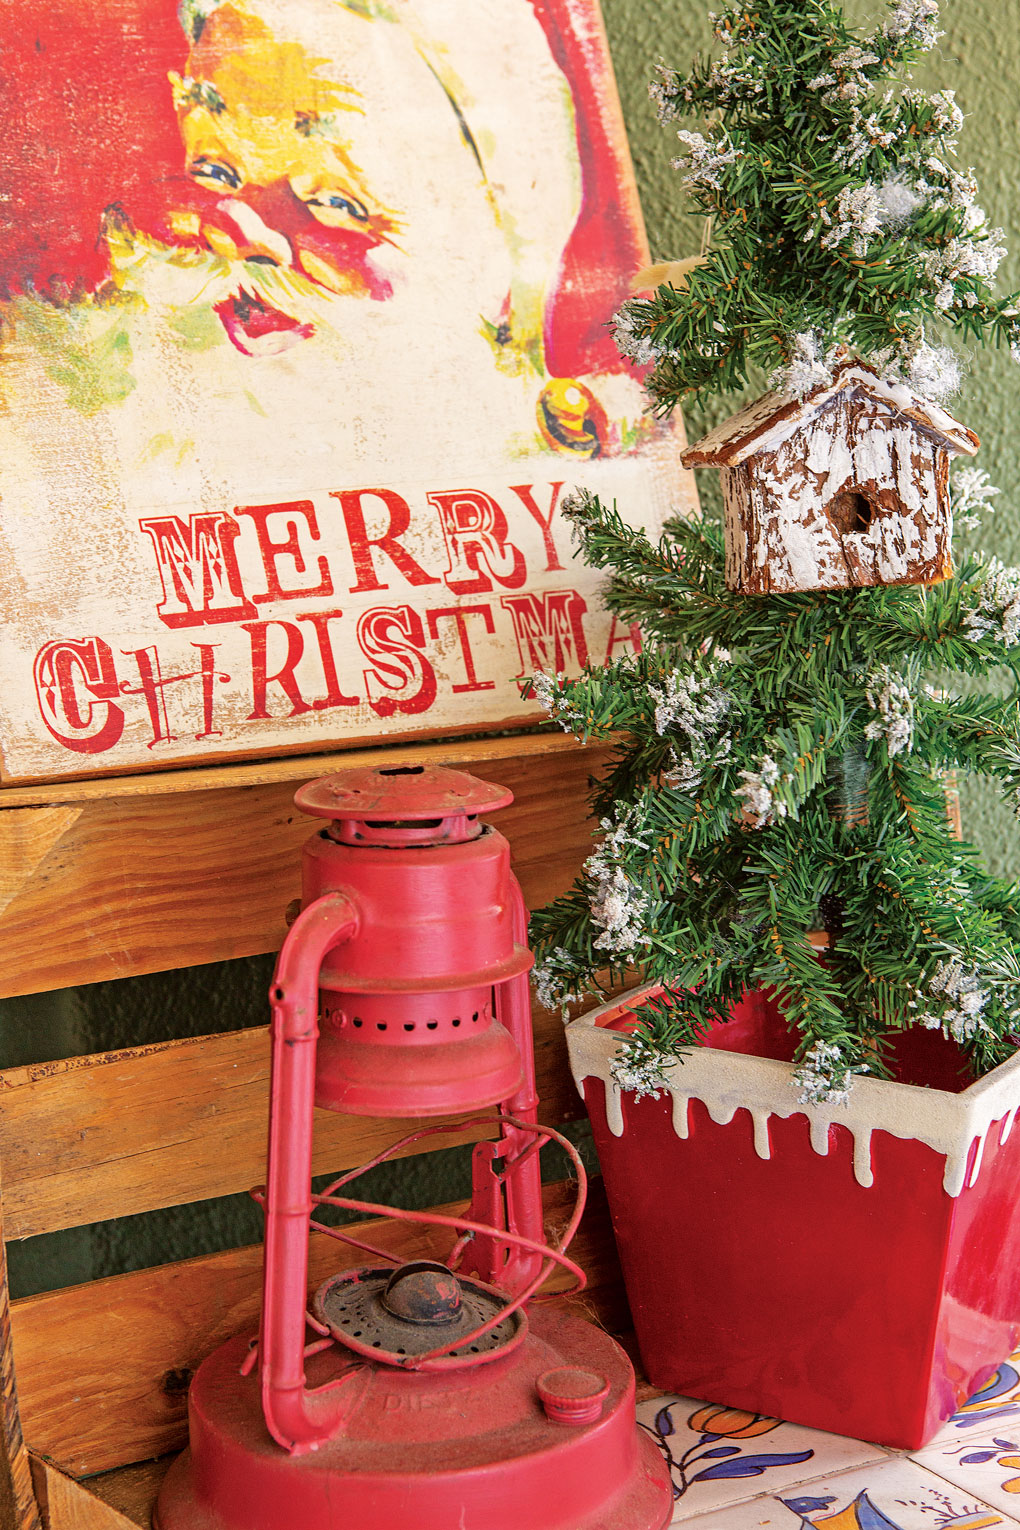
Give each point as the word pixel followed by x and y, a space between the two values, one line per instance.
pixel 839 216
pixel 780 765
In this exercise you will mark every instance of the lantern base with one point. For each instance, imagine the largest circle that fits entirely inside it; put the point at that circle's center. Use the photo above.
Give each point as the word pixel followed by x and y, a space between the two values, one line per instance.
pixel 474 1449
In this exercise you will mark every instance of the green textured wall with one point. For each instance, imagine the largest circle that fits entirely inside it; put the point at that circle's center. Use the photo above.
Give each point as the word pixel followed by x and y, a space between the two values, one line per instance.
pixel 980 58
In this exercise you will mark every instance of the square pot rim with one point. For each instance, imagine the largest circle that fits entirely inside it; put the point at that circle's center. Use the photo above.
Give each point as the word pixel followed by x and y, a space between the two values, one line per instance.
pixel 950 1123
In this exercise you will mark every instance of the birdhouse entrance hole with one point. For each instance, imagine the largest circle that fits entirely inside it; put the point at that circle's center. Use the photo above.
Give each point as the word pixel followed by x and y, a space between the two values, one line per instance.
pixel 850 511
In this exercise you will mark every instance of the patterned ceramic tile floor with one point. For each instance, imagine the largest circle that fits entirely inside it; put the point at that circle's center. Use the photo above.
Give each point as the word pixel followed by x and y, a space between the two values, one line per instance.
pixel 736 1471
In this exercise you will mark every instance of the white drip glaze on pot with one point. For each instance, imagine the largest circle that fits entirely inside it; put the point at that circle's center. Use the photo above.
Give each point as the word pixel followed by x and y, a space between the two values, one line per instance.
pixel 952 1125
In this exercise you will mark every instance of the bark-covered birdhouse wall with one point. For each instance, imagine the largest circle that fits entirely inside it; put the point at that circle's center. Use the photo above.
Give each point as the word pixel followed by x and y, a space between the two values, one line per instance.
pixel 857 495
pixel 846 486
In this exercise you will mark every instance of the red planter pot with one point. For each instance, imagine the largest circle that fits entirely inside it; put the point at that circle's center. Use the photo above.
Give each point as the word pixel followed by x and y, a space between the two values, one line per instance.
pixel 854 1268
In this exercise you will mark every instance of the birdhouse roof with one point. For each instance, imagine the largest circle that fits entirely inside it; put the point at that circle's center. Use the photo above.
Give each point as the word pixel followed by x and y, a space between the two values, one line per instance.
pixel 767 422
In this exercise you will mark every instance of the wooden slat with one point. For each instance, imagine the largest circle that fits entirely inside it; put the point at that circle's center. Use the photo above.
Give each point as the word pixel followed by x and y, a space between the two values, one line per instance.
pixel 138 882
pixel 103 1368
pixel 295 767
pixel 123 1132
pixel 18 1507
pixel 514 724
pixel 129 1490
pixel 28 837
pixel 70 1506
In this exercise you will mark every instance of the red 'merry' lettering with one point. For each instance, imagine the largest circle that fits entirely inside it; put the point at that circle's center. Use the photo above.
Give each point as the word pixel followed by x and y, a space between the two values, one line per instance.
pixel 198 569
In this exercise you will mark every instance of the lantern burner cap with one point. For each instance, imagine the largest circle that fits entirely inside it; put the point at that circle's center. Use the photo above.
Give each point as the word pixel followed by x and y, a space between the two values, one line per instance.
pixel 423 1292
pixel 421 1306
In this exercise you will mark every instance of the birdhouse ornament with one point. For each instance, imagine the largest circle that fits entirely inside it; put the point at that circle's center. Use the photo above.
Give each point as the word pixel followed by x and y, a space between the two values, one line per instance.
pixel 846 486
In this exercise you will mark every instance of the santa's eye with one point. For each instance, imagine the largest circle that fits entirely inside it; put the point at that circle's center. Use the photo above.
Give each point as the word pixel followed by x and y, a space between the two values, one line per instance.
pixel 214 172
pixel 337 209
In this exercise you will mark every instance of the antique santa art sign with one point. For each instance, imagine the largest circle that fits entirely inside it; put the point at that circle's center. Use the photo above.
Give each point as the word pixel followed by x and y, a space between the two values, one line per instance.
pixel 305 309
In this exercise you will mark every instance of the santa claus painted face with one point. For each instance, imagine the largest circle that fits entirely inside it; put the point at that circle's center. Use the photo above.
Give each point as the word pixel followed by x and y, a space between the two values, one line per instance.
pixel 345 188
pixel 301 184
pixel 269 134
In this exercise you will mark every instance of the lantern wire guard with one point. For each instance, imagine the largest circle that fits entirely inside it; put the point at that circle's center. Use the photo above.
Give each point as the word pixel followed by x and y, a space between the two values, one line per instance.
pixel 430 1394
pixel 441 1358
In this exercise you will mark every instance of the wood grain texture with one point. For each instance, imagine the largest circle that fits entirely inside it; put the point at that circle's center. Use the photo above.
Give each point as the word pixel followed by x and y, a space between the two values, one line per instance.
pixel 776 416
pixel 857 496
pixel 130 1490
pixel 844 487
pixel 296 767
pixel 146 882
pixel 29 836
pixel 123 1132
pixel 68 1505
pixel 104 1368
pixel 19 1509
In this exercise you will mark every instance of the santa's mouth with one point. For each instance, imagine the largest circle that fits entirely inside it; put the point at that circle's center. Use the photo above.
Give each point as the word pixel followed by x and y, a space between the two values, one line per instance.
pixel 256 328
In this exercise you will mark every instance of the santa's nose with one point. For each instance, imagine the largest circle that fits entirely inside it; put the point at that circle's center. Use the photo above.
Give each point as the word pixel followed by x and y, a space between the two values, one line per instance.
pixel 239 233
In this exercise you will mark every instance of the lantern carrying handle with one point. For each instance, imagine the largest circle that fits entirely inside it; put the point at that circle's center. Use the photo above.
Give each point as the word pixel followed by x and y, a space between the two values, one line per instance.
pixel 299 1419
pixel 296 1419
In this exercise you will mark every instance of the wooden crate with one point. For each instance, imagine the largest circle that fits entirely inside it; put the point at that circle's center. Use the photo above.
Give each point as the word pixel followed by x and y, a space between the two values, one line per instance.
pixel 121 877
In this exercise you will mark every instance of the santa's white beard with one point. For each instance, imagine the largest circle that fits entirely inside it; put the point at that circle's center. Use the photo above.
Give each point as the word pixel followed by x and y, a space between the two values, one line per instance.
pixel 170 279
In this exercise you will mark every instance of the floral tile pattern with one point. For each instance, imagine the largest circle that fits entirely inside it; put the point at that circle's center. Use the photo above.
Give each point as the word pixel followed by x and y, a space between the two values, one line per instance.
pixel 734 1470
pixel 720 1455
pixel 891 1495
pixel 987 1463
pixel 979 1447
pixel 996 1407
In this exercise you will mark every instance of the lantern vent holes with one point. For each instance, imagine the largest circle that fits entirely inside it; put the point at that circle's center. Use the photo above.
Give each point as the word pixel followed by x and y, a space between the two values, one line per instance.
pixel 850 511
pixel 403 770
pixel 402 823
pixel 342 1020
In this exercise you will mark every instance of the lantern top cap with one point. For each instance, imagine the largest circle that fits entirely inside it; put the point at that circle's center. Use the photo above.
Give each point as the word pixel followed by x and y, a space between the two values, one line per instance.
pixel 767 422
pixel 403 793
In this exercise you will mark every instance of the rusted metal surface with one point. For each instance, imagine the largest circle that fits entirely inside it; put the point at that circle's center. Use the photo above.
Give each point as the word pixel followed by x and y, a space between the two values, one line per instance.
pixel 413 1309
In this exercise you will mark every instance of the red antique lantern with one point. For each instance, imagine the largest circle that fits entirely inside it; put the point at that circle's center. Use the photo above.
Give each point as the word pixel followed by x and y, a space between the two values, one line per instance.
pixel 429 1397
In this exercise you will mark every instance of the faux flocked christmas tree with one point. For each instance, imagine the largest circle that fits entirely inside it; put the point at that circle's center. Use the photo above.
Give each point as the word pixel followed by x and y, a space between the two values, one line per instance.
pixel 781 760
